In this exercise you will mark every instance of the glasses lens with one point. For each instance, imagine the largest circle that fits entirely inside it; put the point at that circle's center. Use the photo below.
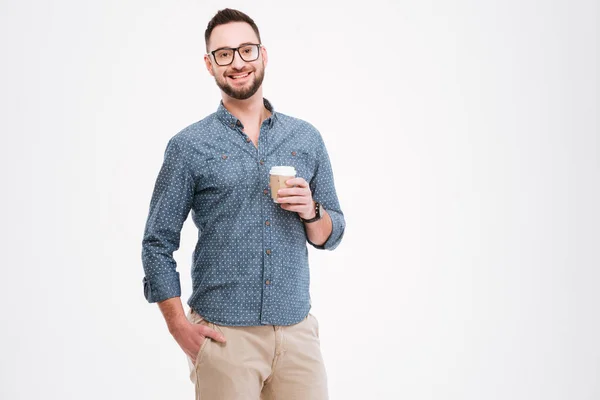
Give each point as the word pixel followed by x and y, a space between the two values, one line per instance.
pixel 249 53
pixel 223 57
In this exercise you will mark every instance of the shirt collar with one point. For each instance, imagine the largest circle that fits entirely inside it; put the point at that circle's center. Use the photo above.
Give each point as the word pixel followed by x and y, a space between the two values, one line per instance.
pixel 231 121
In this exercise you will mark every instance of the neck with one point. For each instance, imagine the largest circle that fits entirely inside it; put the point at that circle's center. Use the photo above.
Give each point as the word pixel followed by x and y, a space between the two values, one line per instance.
pixel 252 108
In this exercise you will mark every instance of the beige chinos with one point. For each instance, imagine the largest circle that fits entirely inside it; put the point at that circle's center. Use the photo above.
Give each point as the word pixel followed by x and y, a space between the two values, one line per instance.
pixel 260 363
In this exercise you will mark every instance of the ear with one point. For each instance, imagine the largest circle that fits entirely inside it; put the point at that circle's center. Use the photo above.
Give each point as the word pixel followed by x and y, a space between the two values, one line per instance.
pixel 208 64
pixel 264 55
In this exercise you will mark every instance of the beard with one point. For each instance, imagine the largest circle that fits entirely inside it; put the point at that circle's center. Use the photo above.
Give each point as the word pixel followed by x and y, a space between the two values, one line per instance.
pixel 242 93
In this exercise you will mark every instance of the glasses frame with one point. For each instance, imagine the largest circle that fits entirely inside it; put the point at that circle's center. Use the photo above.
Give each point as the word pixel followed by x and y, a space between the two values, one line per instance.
pixel 236 50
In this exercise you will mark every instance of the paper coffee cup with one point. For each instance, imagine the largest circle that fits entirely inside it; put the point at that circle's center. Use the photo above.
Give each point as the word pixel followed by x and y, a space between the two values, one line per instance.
pixel 278 175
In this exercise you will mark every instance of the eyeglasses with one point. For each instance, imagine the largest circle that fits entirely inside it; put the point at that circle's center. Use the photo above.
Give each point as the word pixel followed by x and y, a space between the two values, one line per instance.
pixel 247 52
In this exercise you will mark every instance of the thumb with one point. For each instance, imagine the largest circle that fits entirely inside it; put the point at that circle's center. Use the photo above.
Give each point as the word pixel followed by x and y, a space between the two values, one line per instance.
pixel 213 334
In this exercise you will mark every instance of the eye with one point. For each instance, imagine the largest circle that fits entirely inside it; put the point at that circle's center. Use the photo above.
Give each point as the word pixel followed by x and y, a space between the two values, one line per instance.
pixel 223 54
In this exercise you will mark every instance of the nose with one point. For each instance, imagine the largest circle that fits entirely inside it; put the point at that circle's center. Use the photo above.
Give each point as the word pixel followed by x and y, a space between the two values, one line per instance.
pixel 237 62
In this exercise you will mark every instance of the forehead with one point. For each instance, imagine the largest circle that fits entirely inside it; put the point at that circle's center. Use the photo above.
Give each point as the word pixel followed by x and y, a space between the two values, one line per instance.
pixel 231 35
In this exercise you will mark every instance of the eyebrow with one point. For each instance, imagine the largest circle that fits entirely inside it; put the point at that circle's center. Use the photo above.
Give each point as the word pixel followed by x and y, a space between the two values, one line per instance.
pixel 240 45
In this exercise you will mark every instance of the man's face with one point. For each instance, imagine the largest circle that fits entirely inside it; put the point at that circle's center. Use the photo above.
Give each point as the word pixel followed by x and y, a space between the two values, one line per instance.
pixel 240 79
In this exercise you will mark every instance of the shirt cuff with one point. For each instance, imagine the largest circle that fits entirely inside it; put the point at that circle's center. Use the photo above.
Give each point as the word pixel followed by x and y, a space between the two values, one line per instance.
pixel 338 225
pixel 162 287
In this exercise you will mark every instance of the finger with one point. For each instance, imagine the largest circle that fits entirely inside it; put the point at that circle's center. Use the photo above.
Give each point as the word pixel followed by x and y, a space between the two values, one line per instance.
pixel 294 208
pixel 213 334
pixel 294 200
pixel 297 182
pixel 297 191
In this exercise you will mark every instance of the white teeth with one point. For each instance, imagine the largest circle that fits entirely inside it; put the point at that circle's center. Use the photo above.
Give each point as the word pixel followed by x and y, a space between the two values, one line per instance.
pixel 238 76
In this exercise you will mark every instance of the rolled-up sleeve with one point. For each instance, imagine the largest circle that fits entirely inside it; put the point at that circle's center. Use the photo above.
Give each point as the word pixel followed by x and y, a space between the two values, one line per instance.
pixel 169 208
pixel 323 190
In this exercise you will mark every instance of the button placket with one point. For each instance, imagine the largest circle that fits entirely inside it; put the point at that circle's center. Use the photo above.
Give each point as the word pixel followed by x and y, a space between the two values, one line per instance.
pixel 267 220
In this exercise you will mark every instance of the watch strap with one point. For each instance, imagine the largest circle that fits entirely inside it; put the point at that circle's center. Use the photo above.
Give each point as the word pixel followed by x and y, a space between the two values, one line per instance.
pixel 317 214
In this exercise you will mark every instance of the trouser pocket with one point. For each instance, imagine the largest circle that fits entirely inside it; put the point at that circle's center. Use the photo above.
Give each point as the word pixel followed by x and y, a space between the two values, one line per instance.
pixel 197 319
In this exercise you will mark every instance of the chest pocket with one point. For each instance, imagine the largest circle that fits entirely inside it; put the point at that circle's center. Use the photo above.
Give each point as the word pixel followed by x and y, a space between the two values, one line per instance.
pixel 229 172
pixel 301 160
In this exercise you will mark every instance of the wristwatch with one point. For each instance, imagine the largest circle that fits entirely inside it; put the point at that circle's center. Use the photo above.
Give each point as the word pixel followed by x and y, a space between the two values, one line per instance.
pixel 317 214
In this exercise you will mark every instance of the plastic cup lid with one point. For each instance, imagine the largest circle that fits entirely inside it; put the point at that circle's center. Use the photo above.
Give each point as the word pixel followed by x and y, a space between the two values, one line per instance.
pixel 283 170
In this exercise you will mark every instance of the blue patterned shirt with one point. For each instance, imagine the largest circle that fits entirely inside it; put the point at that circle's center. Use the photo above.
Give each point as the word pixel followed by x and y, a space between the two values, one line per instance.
pixel 250 263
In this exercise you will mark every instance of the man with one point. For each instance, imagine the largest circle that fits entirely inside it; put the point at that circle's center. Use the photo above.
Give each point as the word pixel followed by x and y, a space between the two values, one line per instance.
pixel 249 333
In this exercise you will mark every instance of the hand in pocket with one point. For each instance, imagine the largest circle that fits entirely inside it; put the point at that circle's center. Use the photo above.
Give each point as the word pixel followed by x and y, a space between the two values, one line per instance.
pixel 191 337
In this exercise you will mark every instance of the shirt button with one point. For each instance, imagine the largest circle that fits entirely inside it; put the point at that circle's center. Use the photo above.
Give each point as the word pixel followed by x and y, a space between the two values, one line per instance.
pixel 268 252
pixel 294 153
pixel 224 157
pixel 267 223
pixel 262 162
pixel 265 191
pixel 268 282
pixel 248 139
pixel 232 125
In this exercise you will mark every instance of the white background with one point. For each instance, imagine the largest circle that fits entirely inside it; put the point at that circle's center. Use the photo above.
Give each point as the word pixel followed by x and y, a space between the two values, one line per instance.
pixel 465 145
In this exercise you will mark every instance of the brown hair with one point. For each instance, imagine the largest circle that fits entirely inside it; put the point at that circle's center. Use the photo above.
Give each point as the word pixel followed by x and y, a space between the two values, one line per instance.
pixel 226 16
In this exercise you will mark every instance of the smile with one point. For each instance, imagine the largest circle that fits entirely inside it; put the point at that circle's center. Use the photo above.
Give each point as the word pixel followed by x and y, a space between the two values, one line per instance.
pixel 240 76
